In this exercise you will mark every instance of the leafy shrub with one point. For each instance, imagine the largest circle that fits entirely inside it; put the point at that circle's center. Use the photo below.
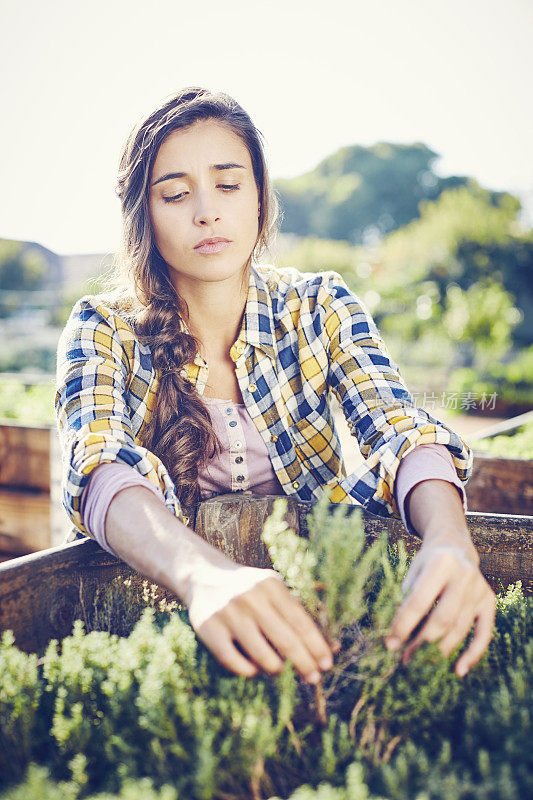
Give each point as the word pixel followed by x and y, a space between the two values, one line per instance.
pixel 519 444
pixel 104 716
pixel 33 405
pixel 511 380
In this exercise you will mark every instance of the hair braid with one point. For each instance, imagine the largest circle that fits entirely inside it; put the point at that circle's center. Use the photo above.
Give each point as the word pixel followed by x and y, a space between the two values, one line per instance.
pixel 180 431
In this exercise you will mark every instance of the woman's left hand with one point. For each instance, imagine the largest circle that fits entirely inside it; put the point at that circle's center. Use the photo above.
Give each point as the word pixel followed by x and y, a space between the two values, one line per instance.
pixel 445 569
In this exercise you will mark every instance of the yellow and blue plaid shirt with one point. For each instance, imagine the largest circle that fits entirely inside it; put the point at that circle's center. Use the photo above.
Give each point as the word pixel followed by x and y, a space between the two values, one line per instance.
pixel 304 337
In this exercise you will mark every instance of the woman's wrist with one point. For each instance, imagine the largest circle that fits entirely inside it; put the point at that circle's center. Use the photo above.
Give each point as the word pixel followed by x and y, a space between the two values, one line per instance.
pixel 436 512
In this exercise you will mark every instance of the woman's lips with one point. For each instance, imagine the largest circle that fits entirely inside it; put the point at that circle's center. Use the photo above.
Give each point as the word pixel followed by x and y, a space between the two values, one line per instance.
pixel 213 247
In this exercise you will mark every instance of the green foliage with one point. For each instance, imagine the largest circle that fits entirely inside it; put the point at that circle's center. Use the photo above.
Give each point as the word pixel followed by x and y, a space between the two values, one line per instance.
pixel 20 269
pixel 20 694
pixel 33 405
pixel 483 317
pixel 359 189
pixel 511 379
pixel 103 715
pixel 19 356
pixel 38 786
pixel 311 254
pixel 518 444
pixel 450 290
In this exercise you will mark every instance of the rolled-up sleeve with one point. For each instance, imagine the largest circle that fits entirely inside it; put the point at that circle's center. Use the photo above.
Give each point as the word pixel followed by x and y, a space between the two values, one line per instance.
pixel 378 407
pixel 93 417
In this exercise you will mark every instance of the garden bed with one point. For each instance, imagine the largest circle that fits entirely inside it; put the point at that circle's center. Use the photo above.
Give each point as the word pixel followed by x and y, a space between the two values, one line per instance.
pixel 127 702
pixel 502 479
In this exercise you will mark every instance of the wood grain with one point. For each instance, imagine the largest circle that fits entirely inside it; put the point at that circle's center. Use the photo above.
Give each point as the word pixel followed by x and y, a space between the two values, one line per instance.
pixel 500 485
pixel 25 517
pixel 25 456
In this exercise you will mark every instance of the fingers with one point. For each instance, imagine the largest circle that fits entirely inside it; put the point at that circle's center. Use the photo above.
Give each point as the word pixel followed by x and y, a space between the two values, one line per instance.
pixel 454 612
pixel 218 639
pixel 463 598
pixel 265 617
pixel 288 626
pixel 417 604
pixel 295 619
pixel 452 634
pixel 457 633
pixel 482 635
pixel 251 639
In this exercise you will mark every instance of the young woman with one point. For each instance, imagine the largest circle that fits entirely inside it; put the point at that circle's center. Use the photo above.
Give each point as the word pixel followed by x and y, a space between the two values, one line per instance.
pixel 201 372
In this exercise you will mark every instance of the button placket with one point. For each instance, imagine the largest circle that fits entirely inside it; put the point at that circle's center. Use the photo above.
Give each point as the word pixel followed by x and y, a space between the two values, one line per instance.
pixel 239 465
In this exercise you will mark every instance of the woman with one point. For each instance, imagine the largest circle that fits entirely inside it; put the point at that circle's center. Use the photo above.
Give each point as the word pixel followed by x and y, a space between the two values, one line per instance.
pixel 202 373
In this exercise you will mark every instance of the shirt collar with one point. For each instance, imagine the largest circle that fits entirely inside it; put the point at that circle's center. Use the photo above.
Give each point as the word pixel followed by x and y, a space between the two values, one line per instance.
pixel 258 323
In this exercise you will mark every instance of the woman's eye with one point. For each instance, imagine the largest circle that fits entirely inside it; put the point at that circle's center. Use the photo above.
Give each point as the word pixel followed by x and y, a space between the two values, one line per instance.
pixel 175 197
pixel 228 187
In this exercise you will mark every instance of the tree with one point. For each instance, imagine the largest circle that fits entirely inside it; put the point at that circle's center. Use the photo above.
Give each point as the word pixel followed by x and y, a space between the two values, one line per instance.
pixel 359 190
pixel 20 269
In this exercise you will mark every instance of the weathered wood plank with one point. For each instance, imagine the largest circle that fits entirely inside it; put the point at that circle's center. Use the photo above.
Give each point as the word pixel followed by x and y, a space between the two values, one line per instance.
pixel 500 485
pixel 231 523
pixel 25 516
pixel 504 543
pixel 43 593
pixel 25 456
pixel 13 546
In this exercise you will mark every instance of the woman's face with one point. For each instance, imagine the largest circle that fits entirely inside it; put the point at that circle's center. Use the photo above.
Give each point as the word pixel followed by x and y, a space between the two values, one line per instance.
pixel 202 187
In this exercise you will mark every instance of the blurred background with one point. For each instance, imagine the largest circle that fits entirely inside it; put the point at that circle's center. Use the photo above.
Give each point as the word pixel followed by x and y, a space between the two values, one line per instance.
pixel 398 135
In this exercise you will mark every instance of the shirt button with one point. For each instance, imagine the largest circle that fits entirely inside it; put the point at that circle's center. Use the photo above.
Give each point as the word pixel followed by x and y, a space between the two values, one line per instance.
pixel 183 373
pixel 273 438
pixel 296 485
pixel 252 388
pixel 237 445
pixel 233 423
pixel 239 460
pixel 229 410
pixel 239 348
pixel 240 478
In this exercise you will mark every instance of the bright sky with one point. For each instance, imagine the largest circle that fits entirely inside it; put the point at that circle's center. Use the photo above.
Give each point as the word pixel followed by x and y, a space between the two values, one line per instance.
pixel 313 75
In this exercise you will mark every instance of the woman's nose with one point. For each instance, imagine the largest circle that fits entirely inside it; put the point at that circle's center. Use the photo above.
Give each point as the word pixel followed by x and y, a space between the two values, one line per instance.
pixel 206 210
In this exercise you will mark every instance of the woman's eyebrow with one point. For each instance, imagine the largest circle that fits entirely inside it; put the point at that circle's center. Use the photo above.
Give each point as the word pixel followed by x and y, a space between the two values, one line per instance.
pixel 218 167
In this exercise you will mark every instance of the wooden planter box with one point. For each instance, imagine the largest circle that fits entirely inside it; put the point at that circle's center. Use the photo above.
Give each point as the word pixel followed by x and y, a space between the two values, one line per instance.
pixel 501 485
pixel 43 593
pixel 31 516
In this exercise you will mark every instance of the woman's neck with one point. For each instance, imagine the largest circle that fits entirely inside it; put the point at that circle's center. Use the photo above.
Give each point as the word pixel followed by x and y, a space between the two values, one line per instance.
pixel 215 312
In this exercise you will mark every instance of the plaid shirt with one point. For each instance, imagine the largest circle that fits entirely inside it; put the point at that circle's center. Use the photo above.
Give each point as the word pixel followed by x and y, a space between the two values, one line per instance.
pixel 304 337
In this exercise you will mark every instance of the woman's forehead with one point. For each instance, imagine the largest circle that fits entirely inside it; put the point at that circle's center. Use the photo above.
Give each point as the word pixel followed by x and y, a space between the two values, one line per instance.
pixel 204 140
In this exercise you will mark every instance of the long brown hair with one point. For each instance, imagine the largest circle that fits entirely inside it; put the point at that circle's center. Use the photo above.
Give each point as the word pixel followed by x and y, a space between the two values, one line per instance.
pixel 179 431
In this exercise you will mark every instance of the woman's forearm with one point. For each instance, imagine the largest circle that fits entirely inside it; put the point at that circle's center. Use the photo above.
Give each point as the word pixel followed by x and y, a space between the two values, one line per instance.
pixel 227 603
pixel 146 535
pixel 436 511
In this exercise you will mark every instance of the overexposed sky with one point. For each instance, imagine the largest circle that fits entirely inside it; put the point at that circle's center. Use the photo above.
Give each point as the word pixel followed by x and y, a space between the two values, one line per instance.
pixel 314 76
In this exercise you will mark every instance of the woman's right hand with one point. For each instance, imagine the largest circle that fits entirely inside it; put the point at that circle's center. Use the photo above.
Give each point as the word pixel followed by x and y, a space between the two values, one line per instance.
pixel 230 603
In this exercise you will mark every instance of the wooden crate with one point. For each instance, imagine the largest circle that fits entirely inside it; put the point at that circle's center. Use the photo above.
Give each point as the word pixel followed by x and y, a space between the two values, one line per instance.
pixel 501 485
pixel 31 517
pixel 43 593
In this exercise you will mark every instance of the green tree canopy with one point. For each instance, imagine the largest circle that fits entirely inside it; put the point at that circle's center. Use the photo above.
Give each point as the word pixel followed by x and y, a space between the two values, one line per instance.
pixel 358 190
pixel 20 269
